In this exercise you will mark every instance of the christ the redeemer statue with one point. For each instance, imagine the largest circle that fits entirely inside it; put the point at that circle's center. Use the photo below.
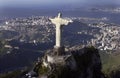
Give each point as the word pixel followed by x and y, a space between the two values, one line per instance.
pixel 59 22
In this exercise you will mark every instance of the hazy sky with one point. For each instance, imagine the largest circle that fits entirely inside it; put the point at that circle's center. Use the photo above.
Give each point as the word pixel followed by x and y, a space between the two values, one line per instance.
pixel 53 2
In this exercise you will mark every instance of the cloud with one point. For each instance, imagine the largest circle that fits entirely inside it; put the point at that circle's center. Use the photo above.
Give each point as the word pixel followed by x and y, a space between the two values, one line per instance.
pixel 55 2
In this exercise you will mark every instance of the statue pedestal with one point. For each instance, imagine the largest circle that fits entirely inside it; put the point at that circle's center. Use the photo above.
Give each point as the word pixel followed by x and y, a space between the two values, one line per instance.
pixel 59 50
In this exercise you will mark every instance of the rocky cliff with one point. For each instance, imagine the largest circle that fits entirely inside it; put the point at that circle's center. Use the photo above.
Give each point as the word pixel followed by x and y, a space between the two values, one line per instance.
pixel 87 61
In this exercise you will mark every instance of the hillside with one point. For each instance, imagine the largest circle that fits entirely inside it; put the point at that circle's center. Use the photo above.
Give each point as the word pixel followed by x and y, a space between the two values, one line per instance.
pixel 88 64
pixel 111 65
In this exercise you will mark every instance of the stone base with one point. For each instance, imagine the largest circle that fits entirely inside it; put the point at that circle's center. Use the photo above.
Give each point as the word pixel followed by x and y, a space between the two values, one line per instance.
pixel 59 50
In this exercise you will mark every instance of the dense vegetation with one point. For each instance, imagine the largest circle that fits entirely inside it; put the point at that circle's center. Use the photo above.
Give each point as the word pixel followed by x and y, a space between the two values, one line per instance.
pixel 14 74
pixel 2 48
pixel 110 65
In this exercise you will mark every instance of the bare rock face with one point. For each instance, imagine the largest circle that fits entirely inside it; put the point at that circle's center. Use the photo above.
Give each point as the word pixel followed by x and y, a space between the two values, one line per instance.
pixel 82 63
pixel 89 63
